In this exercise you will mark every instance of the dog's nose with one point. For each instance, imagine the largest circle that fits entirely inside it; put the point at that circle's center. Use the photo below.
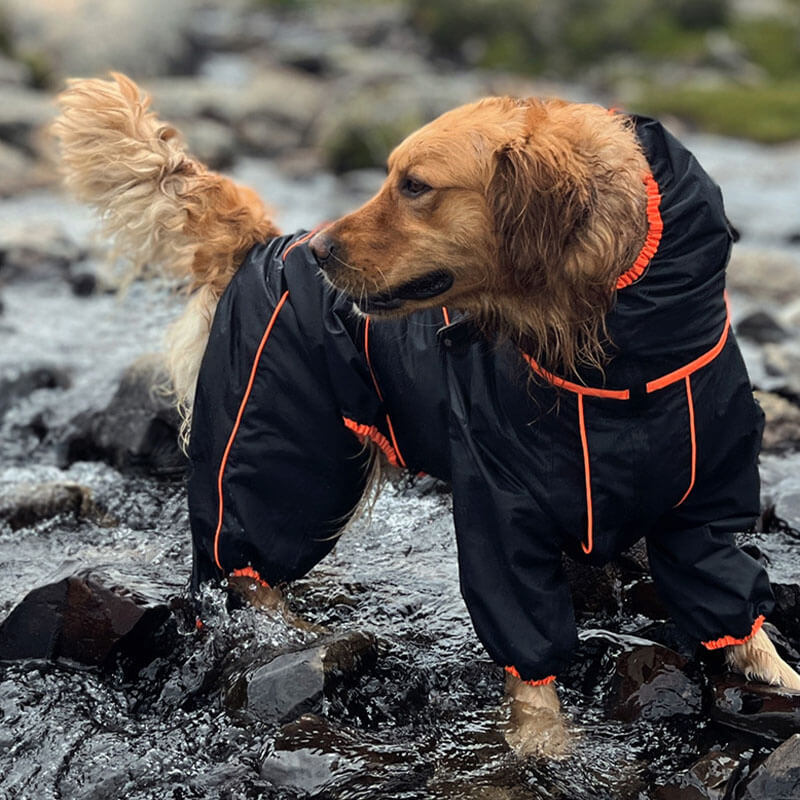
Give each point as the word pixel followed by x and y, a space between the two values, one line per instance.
pixel 322 248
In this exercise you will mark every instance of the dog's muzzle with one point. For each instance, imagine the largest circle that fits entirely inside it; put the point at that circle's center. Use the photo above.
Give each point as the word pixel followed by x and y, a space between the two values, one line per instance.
pixel 422 288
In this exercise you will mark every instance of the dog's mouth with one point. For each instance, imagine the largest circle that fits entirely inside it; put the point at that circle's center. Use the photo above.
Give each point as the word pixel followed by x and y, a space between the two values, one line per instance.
pixel 422 288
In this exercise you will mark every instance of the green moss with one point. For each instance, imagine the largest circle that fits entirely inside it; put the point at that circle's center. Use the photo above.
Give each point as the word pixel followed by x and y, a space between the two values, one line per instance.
pixel 764 113
pixel 773 44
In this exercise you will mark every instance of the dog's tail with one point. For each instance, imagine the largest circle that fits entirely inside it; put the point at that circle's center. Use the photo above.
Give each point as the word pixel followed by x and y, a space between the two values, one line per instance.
pixel 163 210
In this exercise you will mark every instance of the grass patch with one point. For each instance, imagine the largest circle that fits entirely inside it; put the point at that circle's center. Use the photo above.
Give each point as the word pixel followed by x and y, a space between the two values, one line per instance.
pixel 767 114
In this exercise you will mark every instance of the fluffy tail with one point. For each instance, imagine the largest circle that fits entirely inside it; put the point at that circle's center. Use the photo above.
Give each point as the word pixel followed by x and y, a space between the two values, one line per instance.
pixel 162 209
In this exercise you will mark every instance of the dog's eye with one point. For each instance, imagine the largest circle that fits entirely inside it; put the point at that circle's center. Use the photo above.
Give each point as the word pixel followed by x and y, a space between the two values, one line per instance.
pixel 413 188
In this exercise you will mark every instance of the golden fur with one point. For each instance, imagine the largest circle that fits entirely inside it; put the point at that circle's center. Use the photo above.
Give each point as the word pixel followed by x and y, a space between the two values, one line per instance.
pixel 524 210
pixel 535 208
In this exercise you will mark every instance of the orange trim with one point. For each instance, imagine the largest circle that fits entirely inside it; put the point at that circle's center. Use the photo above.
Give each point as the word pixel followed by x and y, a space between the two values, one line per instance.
pixel 653 238
pixel 198 624
pixel 235 430
pixel 690 404
pixel 587 547
pixel 446 315
pixel 728 641
pixel 249 572
pixel 542 682
pixel 692 366
pixel 372 433
pixel 394 442
pixel 577 388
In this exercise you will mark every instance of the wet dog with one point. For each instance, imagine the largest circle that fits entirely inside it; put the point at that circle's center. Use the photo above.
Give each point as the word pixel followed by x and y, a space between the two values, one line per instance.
pixel 559 235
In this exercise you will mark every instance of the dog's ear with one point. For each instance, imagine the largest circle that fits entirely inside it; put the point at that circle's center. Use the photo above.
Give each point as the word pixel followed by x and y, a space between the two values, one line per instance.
pixel 540 197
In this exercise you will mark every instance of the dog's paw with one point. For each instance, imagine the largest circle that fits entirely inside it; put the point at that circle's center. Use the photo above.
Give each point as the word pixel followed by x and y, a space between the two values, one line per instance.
pixel 255 593
pixel 538 732
pixel 758 660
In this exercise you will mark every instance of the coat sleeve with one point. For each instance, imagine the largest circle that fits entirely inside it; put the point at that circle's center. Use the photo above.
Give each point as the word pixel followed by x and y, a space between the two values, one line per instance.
pixel 275 473
pixel 510 563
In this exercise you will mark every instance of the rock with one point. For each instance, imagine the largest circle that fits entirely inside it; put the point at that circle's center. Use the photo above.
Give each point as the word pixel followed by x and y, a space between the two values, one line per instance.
pixel 767 711
pixel 649 683
pixel 786 614
pixel 13 73
pixel 778 778
pixel 26 504
pixel 212 142
pixel 18 382
pixel 782 430
pixel 763 274
pixel 782 365
pixel 36 251
pixel 19 172
pixel 761 327
pixel 312 756
pixel 294 683
pixel 138 430
pixel 23 112
pixel 85 38
pixel 87 618
pixel 707 779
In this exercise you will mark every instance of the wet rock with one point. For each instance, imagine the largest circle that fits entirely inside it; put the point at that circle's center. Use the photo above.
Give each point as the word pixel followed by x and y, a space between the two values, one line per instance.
pixel 786 615
pixel 782 366
pixel 294 683
pixel 23 112
pixel 761 327
pixel 26 504
pixel 767 711
pixel 778 778
pixel 136 432
pixel 312 756
pixel 19 172
pixel 19 382
pixel 595 590
pixel 707 779
pixel 782 430
pixel 36 251
pixel 763 274
pixel 85 617
pixel 214 143
pixel 649 683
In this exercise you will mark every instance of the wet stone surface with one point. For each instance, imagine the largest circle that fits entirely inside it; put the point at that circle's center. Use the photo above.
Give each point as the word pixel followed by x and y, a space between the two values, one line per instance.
pixel 767 711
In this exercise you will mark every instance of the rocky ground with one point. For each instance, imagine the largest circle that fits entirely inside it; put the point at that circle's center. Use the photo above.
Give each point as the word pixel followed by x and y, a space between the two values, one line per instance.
pixel 108 684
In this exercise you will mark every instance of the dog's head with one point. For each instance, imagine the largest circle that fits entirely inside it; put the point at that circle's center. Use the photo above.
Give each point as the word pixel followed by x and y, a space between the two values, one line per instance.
pixel 508 209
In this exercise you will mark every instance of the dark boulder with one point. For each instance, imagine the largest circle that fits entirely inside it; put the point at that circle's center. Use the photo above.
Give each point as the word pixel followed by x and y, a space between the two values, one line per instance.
pixel 769 712
pixel 312 756
pixel 778 778
pixel 707 779
pixel 87 618
pixel 138 430
pixel 25 504
pixel 761 328
pixel 291 684
pixel 17 383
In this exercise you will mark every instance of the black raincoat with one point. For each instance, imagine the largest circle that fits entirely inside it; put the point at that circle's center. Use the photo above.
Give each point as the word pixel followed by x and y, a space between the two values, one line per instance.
pixel 664 445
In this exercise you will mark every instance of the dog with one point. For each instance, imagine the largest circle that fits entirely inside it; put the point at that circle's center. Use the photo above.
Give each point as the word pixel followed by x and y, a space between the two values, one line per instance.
pixel 532 306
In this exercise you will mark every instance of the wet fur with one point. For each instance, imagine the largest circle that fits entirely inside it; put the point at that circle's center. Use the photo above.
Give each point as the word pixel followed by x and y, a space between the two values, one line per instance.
pixel 537 207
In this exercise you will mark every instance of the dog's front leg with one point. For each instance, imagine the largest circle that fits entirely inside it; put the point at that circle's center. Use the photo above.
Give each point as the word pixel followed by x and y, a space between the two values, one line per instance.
pixel 536 726
pixel 757 659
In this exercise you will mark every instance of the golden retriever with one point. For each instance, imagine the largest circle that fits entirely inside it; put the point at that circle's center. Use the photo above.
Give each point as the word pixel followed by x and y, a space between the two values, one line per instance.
pixel 521 213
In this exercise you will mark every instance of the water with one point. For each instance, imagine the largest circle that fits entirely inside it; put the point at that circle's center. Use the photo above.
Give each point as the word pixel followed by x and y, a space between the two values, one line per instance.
pixel 424 723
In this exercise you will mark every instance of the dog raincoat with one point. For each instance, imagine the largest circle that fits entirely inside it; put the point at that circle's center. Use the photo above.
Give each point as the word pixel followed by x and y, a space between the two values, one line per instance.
pixel 663 445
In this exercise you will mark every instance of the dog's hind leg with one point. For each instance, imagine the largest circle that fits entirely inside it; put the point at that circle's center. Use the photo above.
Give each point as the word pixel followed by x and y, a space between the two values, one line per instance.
pixel 758 660
pixel 536 726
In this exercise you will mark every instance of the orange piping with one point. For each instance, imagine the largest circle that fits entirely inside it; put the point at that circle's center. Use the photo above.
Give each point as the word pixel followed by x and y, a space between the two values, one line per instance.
pixel 249 572
pixel 235 430
pixel 577 388
pixel 302 239
pixel 690 404
pixel 369 362
pixel 587 548
pixel 692 366
pixel 372 433
pixel 728 641
pixel 542 682
pixel 653 238
pixel 446 315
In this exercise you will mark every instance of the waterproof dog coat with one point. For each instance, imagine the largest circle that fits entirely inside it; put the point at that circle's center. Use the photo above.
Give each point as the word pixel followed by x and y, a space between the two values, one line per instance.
pixel 662 445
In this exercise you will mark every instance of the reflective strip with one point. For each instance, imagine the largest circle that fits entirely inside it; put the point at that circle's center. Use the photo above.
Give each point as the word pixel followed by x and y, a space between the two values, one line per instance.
pixel 690 405
pixel 587 546
pixel 235 430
